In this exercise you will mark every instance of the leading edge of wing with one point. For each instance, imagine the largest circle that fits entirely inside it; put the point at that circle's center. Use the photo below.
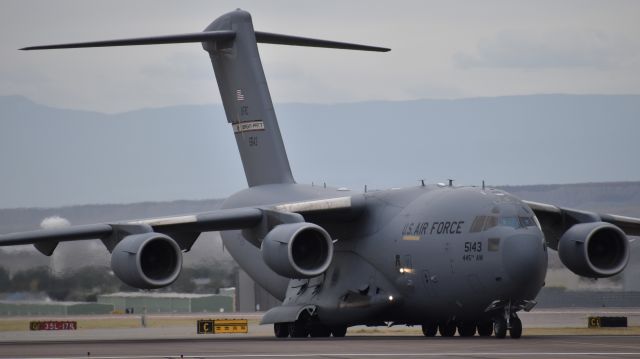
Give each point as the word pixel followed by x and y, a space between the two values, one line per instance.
pixel 210 221
pixel 218 220
pixel 62 234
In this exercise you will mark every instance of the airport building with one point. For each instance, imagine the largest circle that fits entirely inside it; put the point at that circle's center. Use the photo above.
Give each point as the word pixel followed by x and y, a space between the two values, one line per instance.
pixel 49 308
pixel 149 302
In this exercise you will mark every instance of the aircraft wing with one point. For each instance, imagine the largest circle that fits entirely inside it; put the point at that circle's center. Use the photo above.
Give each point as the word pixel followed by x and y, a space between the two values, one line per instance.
pixel 45 240
pixel 185 229
pixel 557 220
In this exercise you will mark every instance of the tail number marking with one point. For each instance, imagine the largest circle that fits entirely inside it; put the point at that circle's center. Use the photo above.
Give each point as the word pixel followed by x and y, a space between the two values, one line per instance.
pixel 473 251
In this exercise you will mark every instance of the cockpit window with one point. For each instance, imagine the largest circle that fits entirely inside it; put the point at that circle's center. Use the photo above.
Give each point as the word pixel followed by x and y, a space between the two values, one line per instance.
pixel 491 222
pixel 483 223
pixel 478 224
pixel 510 222
pixel 527 222
pixel 517 222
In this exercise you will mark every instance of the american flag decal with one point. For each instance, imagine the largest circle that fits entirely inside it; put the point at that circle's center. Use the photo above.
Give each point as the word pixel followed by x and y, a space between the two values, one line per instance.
pixel 239 95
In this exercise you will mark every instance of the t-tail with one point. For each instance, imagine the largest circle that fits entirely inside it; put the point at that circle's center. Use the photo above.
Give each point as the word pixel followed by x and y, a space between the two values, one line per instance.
pixel 231 43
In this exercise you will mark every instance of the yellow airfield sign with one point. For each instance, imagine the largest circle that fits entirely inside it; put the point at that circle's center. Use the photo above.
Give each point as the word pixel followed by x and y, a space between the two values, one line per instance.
pixel 222 326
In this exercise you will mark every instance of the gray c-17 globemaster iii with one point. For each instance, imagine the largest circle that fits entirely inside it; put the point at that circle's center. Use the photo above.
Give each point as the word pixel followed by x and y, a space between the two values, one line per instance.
pixel 441 256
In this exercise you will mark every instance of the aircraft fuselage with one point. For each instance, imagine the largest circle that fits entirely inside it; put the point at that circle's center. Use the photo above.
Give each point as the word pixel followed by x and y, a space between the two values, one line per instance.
pixel 427 253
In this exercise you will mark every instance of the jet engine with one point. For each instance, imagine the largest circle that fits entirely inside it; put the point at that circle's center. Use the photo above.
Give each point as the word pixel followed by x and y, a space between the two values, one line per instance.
pixel 147 260
pixel 297 250
pixel 595 249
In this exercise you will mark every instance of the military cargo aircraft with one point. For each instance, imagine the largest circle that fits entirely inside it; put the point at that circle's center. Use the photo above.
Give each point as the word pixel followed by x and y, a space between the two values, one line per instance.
pixel 448 258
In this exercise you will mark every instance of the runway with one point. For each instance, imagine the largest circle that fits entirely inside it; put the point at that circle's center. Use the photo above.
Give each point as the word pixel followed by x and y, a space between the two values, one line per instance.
pixel 348 347
pixel 547 334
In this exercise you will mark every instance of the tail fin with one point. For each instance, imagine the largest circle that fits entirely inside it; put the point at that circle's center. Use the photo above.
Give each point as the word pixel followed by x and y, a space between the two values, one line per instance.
pixel 231 43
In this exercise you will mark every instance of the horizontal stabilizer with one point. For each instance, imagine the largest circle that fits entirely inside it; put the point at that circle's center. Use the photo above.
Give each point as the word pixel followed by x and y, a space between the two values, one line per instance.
pixel 154 40
pixel 221 35
pixel 279 39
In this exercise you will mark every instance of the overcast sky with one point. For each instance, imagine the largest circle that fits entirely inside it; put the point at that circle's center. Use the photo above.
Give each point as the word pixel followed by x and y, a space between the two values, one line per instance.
pixel 446 49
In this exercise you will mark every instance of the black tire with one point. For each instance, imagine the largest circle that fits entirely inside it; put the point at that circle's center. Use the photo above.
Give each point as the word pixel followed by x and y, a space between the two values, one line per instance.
pixel 429 329
pixel 515 328
pixel 298 329
pixel 339 332
pixel 485 328
pixel 447 329
pixel 467 329
pixel 500 328
pixel 281 330
pixel 319 331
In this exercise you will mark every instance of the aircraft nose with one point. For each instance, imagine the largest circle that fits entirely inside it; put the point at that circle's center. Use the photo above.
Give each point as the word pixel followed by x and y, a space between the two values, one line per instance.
pixel 525 262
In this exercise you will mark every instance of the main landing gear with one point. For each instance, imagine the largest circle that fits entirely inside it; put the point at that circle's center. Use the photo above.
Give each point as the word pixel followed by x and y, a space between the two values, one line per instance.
pixel 484 328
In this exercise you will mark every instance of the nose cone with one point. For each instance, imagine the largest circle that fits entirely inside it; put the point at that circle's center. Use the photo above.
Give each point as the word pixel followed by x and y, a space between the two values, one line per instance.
pixel 525 263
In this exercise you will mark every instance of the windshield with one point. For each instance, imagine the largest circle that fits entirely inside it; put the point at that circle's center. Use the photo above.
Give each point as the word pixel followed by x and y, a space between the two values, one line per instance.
pixel 483 223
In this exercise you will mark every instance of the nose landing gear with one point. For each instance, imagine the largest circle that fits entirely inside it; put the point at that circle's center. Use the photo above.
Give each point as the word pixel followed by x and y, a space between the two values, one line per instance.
pixel 514 325
pixel 504 314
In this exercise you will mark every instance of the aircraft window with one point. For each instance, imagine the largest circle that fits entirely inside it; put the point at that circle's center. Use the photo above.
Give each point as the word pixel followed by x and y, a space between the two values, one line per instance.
pixel 483 223
pixel 527 222
pixel 491 222
pixel 477 225
pixel 512 222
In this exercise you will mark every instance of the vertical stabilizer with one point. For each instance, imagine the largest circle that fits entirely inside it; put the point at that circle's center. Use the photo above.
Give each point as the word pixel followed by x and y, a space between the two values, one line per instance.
pixel 232 46
pixel 247 102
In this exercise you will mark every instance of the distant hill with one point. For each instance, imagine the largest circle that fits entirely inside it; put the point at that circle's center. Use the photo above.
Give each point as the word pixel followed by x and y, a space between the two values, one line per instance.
pixel 52 157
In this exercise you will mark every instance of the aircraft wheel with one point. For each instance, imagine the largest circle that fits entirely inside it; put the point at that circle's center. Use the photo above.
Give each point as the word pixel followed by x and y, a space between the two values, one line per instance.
pixel 298 329
pixel 500 328
pixel 320 331
pixel 339 332
pixel 429 329
pixel 281 330
pixel 447 329
pixel 515 327
pixel 467 329
pixel 485 328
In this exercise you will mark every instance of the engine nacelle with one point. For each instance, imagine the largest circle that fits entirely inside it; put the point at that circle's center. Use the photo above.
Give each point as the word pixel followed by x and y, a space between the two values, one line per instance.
pixel 147 260
pixel 595 249
pixel 297 250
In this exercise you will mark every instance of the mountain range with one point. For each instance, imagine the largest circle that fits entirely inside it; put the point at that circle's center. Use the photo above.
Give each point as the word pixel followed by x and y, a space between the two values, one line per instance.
pixel 52 157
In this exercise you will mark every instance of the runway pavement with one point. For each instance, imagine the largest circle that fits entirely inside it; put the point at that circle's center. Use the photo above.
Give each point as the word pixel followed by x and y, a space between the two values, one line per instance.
pixel 548 334
pixel 348 347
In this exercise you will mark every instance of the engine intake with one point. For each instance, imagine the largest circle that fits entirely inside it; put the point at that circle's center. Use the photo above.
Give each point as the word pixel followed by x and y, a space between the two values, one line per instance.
pixel 147 260
pixel 297 250
pixel 596 249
